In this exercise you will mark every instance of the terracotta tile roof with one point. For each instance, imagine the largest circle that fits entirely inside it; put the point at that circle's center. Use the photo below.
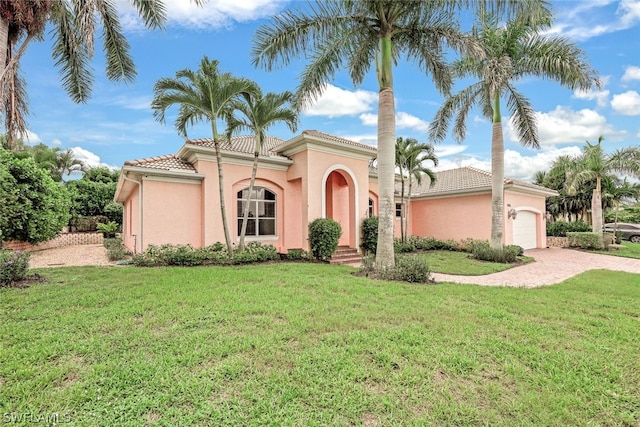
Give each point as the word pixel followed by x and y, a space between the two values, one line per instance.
pixel 334 138
pixel 166 162
pixel 462 179
pixel 242 144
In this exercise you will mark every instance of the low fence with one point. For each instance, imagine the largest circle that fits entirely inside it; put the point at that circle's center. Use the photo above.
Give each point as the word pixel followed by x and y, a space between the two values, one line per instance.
pixel 65 239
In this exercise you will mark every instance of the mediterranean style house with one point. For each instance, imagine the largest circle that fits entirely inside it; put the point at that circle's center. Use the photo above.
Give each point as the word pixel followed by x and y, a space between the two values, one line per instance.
pixel 175 198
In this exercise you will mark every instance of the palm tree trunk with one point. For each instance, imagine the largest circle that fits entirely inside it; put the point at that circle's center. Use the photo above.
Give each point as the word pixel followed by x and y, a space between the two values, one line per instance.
pixel 245 215
pixel 406 217
pixel 4 42
pixel 223 209
pixel 386 178
pixel 386 156
pixel 402 230
pixel 497 177
pixel 596 211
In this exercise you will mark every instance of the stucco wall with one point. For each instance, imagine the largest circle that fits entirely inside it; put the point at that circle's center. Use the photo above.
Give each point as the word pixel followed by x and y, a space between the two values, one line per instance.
pixel 171 212
pixel 530 203
pixel 456 218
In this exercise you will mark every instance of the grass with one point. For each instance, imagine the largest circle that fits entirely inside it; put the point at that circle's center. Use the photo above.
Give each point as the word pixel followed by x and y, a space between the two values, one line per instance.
pixel 310 344
pixel 628 250
pixel 461 263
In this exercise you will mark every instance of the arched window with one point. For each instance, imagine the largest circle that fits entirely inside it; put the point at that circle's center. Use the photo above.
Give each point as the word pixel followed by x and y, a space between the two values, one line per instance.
pixel 262 212
pixel 372 211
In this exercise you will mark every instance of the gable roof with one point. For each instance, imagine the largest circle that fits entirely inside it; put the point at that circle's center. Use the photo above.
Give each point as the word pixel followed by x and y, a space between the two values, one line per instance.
pixel 242 144
pixel 167 162
pixel 333 138
pixel 468 180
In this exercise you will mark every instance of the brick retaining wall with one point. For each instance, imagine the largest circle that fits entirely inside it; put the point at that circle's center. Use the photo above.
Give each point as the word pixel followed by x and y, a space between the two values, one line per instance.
pixel 557 242
pixel 65 239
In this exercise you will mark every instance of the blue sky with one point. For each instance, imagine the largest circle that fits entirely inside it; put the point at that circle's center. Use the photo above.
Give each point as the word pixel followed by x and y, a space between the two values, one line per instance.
pixel 117 123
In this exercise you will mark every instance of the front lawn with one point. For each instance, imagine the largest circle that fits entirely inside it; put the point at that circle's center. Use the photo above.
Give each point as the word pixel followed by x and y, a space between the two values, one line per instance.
pixel 310 344
pixel 627 250
pixel 450 262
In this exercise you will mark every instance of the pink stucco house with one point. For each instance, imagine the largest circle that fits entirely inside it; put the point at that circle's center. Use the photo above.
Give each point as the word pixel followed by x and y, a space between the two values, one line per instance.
pixel 175 199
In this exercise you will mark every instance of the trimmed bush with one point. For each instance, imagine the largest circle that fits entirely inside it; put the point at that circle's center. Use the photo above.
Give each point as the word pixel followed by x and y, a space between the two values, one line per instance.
pixel 561 228
pixel 323 237
pixel 13 266
pixel 400 247
pixel 508 254
pixel 115 249
pixel 297 254
pixel 369 235
pixel 255 252
pixel 585 240
pixel 411 269
pixel 187 256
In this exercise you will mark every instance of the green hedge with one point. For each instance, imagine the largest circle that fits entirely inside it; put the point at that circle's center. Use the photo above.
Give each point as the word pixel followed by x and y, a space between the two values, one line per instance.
pixel 324 234
pixel 561 228
pixel 585 240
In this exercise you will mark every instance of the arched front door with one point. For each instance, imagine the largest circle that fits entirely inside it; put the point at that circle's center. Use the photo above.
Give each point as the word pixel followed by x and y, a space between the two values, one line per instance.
pixel 339 205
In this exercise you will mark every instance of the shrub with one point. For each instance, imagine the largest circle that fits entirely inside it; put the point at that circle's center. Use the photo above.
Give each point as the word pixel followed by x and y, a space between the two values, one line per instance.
pixel 561 228
pixel 255 252
pixel 186 255
pixel 588 240
pixel 508 254
pixel 87 223
pixel 115 249
pixel 403 247
pixel 369 235
pixel 33 207
pixel 13 266
pixel 411 269
pixel 108 230
pixel 297 255
pixel 323 237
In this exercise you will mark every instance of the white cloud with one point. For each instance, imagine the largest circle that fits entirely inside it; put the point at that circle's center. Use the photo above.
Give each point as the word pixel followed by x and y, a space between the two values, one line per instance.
pixel 31 138
pixel 516 165
pixel 403 121
pixel 565 126
pixel 601 96
pixel 631 73
pixel 443 150
pixel 213 14
pixel 369 139
pixel 131 102
pixel 582 19
pixel 56 142
pixel 335 102
pixel 88 158
pixel 406 120
pixel 627 103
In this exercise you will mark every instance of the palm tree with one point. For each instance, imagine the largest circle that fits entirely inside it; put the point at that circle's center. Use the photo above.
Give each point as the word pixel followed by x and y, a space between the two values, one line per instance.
pixel 73 24
pixel 66 162
pixel 258 113
pixel 203 95
pixel 334 34
pixel 410 158
pixel 595 164
pixel 510 53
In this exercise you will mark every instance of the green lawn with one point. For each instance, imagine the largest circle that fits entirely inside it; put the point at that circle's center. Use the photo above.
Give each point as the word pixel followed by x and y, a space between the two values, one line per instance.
pixel 628 250
pixel 461 263
pixel 310 344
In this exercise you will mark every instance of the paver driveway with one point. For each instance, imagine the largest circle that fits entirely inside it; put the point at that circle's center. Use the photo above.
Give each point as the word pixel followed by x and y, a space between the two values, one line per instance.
pixel 551 266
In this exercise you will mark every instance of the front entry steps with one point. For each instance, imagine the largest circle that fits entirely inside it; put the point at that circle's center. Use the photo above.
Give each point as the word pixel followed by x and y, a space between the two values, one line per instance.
pixel 346 255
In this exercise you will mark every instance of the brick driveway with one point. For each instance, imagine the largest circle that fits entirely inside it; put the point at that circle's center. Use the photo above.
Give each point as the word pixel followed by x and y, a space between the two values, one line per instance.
pixel 551 266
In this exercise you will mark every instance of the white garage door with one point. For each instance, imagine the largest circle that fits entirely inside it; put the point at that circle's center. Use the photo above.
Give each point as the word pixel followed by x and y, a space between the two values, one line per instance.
pixel 524 230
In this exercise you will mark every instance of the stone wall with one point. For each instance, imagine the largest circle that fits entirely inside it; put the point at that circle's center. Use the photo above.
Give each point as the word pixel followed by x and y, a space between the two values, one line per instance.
pixel 65 239
pixel 557 242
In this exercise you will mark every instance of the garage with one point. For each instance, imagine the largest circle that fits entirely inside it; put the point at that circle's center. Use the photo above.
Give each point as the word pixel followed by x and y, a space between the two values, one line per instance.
pixel 524 230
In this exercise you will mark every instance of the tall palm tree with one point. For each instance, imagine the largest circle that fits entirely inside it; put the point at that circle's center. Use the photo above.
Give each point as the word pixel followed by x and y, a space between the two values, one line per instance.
pixel 595 164
pixel 510 53
pixel 410 158
pixel 73 25
pixel 258 113
pixel 203 95
pixel 351 34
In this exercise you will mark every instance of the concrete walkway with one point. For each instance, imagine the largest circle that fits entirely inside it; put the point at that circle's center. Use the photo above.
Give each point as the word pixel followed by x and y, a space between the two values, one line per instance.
pixel 551 266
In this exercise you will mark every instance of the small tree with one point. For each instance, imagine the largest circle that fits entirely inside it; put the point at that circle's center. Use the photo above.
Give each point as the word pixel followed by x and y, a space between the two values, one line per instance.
pixel 323 237
pixel 34 208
